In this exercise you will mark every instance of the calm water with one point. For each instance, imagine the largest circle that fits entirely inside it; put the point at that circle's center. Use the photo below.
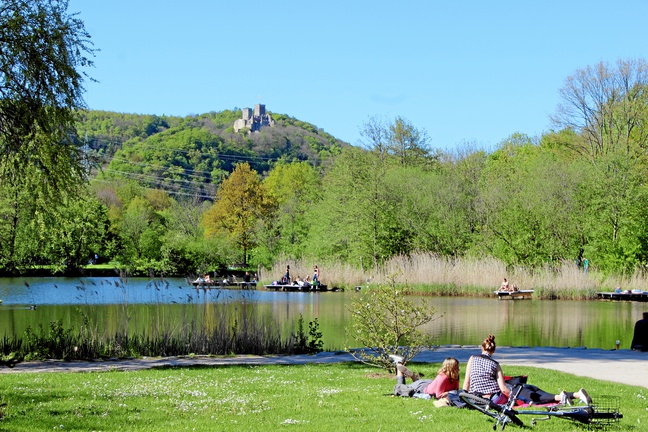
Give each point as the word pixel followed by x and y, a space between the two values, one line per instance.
pixel 107 304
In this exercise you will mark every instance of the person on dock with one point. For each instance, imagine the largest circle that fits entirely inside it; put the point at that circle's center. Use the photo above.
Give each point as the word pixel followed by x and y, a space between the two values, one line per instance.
pixel 640 337
pixel 316 275
pixel 285 280
pixel 505 285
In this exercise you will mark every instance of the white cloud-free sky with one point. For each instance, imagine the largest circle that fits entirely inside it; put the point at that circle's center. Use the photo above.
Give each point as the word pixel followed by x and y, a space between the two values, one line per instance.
pixel 464 71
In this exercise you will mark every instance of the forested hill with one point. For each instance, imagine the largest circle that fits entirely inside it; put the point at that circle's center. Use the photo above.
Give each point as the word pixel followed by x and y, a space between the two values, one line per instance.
pixel 194 153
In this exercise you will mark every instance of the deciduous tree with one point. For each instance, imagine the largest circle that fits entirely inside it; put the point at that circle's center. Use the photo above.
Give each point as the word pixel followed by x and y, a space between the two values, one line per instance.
pixel 240 203
pixel 42 49
pixel 607 105
pixel 294 188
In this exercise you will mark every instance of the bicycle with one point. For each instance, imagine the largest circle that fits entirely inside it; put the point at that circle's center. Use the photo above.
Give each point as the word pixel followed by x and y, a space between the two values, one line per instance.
pixel 602 414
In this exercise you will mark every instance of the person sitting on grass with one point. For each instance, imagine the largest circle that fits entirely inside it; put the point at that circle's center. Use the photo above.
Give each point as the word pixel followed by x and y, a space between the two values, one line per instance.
pixel 447 379
pixel 484 377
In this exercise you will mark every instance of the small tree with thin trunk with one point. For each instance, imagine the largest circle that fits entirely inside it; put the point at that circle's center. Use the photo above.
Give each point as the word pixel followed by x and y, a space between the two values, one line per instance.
pixel 384 321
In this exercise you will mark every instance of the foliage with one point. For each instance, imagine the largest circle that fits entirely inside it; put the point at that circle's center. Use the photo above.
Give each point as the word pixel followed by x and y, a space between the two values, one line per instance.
pixel 527 204
pixel 43 48
pixel 356 221
pixel 386 322
pixel 56 343
pixel 34 228
pixel 310 343
pixel 240 203
pixel 533 201
pixel 183 161
pixel 294 189
pixel 191 155
pixel 77 233
pixel 237 330
pixel 104 132
pixel 607 105
pixel 398 139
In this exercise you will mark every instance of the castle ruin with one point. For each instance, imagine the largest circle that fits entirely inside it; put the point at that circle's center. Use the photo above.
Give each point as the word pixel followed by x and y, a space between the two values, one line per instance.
pixel 253 122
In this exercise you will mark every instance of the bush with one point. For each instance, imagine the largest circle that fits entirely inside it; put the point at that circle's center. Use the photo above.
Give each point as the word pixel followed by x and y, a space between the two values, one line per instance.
pixel 385 322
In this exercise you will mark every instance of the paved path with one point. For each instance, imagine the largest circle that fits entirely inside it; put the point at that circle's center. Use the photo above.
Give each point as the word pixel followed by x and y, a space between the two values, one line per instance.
pixel 623 366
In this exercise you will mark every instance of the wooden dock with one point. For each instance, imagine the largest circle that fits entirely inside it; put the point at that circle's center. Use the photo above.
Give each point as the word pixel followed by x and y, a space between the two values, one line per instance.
pixel 220 284
pixel 295 287
pixel 624 296
pixel 514 295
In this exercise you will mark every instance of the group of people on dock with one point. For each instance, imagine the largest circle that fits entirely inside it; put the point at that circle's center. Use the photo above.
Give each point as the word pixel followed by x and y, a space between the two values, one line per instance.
pixel 286 279
pixel 206 279
pixel 506 287
pixel 484 378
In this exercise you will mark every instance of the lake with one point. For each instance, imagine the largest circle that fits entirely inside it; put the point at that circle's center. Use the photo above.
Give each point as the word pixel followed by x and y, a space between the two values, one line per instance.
pixel 138 304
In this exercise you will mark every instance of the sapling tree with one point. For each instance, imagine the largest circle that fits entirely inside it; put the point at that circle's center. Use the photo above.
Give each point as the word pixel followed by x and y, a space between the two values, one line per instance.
pixel 385 322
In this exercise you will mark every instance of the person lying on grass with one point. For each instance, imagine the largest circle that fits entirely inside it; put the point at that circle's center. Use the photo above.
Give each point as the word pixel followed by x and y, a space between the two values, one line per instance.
pixel 533 395
pixel 447 379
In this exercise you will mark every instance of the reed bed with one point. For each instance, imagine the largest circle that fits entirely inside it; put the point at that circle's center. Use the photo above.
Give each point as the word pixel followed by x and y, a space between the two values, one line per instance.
pixel 436 275
pixel 219 330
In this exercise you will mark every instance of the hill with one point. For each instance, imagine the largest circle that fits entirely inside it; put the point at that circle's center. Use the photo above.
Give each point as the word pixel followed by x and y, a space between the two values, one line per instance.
pixel 191 155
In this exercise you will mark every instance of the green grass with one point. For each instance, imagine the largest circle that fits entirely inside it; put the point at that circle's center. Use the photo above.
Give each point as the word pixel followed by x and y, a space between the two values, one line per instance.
pixel 337 397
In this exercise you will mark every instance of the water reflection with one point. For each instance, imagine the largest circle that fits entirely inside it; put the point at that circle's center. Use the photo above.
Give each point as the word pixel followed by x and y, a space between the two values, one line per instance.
pixel 139 305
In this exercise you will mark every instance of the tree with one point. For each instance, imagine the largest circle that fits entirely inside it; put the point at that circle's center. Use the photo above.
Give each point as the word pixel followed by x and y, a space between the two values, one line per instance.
pixel 407 143
pixel 528 205
pixel 385 322
pixel 77 233
pixel 356 219
pixel 399 139
pixel 140 232
pixel 185 250
pixel 240 203
pixel 615 216
pixel 436 208
pixel 41 164
pixel 41 49
pixel 294 187
pixel 608 107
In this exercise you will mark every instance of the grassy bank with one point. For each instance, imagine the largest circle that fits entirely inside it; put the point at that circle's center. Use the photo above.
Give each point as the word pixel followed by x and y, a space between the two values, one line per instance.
pixel 479 277
pixel 257 398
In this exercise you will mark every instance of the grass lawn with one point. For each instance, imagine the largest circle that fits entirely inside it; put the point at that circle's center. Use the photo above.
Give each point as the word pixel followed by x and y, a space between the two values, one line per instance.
pixel 335 397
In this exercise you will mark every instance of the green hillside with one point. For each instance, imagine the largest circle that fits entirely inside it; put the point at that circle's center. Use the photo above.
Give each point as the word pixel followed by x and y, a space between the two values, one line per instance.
pixel 192 155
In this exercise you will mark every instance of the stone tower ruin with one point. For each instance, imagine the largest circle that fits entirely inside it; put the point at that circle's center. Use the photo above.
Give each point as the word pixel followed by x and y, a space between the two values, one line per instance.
pixel 253 121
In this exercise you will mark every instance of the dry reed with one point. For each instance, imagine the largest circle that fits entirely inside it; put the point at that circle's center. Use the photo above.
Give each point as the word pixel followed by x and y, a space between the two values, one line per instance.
pixel 564 280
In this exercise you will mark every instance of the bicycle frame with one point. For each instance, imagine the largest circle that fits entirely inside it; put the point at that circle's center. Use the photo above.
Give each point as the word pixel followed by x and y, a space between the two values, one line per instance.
pixel 505 414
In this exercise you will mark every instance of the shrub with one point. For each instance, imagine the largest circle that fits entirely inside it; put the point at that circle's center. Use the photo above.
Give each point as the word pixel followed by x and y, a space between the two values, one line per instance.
pixel 385 322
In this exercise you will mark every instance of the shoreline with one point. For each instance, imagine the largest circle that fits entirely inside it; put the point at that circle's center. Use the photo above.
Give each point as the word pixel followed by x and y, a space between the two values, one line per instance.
pixel 622 366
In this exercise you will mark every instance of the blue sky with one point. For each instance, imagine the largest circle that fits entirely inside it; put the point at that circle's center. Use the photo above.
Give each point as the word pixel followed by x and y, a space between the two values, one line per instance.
pixel 464 71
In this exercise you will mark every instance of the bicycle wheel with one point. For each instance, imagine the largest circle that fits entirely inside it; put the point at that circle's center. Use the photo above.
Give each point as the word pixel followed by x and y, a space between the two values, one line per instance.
pixel 502 414
pixel 478 403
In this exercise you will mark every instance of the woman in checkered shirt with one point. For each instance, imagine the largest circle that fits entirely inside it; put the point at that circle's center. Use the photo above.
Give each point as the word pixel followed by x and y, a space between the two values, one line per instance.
pixel 484 375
